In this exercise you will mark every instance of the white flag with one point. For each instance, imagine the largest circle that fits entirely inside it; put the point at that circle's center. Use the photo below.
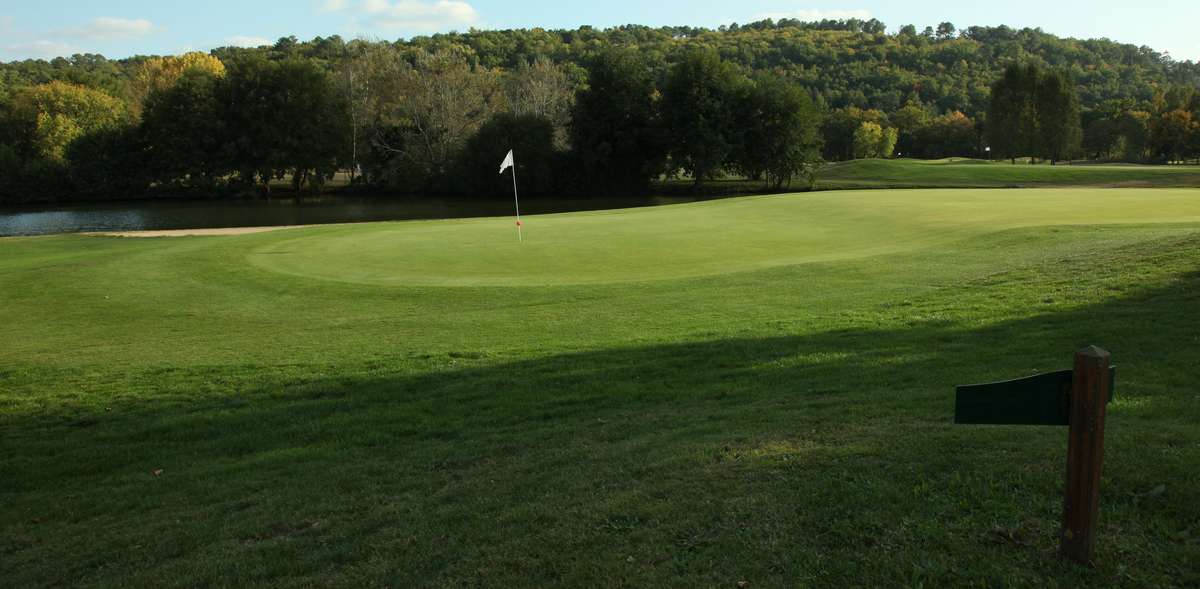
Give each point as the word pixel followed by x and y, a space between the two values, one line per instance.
pixel 507 163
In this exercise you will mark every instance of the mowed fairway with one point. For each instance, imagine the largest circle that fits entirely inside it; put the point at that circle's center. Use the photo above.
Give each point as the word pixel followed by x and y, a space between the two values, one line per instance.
pixel 972 173
pixel 754 389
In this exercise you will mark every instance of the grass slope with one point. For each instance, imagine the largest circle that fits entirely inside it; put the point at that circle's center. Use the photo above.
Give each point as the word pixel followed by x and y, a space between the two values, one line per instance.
pixel 644 408
pixel 967 173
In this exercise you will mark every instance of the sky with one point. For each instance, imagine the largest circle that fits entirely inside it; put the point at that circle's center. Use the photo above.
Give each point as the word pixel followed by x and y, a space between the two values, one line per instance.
pixel 121 28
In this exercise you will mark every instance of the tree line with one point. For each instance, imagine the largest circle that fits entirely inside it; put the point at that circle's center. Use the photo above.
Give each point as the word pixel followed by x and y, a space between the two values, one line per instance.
pixel 592 111
pixel 409 120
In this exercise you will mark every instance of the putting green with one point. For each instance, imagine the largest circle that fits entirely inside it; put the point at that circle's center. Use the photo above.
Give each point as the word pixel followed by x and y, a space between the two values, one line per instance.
pixel 698 239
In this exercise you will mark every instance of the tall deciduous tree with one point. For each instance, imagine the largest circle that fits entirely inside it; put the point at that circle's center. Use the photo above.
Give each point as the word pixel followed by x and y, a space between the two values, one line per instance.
pixel 1058 116
pixel 45 119
pixel 160 73
pixel 1012 115
pixel 429 110
pixel 109 163
pixel 947 135
pixel 909 120
pixel 867 140
pixel 283 117
pixel 310 116
pixel 615 129
pixel 698 104
pixel 779 131
pixel 1034 113
pixel 545 90
pixel 841 125
pixel 531 137
pixel 185 130
pixel 1171 134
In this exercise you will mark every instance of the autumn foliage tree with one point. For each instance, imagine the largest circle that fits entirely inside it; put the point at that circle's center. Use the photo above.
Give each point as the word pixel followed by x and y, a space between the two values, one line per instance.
pixel 160 73
pixel 45 119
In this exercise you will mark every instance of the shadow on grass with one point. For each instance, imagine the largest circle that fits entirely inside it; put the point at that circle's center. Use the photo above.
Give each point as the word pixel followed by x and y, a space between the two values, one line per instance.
pixel 816 459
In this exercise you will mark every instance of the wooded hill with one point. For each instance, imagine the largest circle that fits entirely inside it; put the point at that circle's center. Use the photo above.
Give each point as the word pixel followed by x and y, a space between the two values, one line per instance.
pixel 875 94
pixel 847 63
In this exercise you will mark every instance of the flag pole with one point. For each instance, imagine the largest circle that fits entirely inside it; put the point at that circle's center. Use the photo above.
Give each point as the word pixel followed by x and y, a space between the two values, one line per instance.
pixel 517 201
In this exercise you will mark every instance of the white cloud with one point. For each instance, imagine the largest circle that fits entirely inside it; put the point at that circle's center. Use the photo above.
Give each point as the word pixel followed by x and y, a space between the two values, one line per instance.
pixel 106 28
pixel 375 6
pixel 41 49
pixel 1183 54
pixel 69 41
pixel 815 15
pixel 409 15
pixel 245 41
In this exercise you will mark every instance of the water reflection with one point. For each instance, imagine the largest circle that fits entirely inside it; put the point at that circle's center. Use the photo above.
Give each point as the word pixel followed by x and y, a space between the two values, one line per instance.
pixel 150 215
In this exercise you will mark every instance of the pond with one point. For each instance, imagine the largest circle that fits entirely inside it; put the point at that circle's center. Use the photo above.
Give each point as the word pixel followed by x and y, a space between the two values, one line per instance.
pixel 203 214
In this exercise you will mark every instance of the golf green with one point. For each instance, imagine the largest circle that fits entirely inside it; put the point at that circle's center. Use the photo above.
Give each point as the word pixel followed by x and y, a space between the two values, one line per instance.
pixel 707 238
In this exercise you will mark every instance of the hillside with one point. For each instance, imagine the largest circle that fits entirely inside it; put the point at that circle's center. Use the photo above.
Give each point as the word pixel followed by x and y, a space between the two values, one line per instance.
pixel 847 62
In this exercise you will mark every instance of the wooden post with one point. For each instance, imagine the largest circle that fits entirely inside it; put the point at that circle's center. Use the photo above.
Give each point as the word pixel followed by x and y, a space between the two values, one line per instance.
pixel 1090 388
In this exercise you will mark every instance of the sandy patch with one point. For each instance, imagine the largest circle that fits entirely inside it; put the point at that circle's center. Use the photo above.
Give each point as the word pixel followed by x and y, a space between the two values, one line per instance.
pixel 194 232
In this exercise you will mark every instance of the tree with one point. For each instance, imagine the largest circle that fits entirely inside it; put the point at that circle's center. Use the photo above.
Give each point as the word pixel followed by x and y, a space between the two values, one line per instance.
pixel 45 119
pixel 779 131
pixel 887 143
pixel 1034 113
pixel 248 110
pixel 1171 134
pixel 160 73
pixel 185 130
pixel 544 90
pixel 310 115
pixel 615 131
pixel 698 101
pixel 909 120
pixel 951 134
pixel 945 30
pixel 427 111
pixel 283 117
pixel 839 128
pixel 531 137
pixel 1012 115
pixel 108 163
pixel 1101 138
pixel 1134 127
pixel 867 140
pixel 1059 128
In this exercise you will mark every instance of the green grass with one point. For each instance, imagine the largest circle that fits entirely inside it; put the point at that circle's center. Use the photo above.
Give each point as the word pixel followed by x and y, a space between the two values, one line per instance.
pixel 754 389
pixel 968 173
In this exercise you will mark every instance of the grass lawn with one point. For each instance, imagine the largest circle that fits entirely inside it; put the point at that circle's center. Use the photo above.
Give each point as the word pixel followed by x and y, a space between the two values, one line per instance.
pixel 754 389
pixel 968 173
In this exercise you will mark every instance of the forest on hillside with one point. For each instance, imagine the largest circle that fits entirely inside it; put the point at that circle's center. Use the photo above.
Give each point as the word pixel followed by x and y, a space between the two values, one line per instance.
pixel 421 114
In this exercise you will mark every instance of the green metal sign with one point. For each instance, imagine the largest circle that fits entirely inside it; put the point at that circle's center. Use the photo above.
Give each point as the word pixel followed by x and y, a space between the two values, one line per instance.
pixel 1044 399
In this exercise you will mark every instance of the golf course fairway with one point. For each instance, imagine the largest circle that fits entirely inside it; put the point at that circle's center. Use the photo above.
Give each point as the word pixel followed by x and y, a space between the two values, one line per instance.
pixel 755 390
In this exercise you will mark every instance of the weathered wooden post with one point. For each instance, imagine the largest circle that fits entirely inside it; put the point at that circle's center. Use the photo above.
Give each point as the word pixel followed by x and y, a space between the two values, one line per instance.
pixel 1076 398
pixel 1090 387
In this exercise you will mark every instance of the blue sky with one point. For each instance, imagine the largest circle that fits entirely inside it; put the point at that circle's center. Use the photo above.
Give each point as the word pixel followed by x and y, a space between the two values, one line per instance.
pixel 116 28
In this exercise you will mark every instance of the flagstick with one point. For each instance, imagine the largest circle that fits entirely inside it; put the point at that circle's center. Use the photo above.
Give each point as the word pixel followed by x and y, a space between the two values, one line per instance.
pixel 517 201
